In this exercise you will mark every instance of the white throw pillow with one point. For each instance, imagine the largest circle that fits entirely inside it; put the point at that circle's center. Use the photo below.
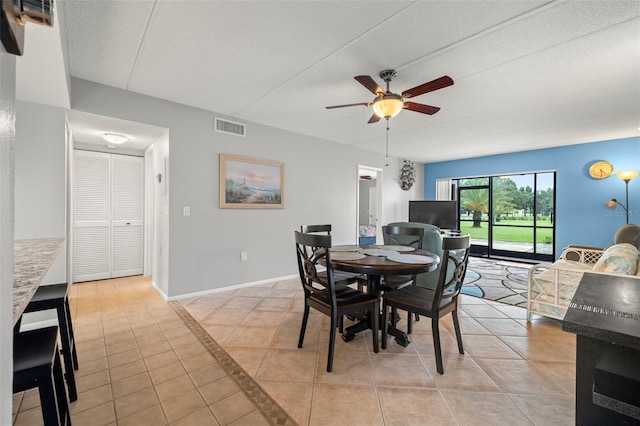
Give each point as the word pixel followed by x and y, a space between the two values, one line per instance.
pixel 618 259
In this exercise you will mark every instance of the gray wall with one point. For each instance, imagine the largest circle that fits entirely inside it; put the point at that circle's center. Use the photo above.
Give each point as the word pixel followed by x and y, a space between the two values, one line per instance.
pixel 40 178
pixel 320 187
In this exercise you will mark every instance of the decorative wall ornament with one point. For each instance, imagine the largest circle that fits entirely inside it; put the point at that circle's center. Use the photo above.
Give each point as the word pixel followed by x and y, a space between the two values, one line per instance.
pixel 407 175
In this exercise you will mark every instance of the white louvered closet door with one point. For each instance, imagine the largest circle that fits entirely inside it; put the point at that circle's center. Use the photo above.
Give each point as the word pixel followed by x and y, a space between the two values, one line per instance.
pixel 92 216
pixel 108 212
pixel 127 206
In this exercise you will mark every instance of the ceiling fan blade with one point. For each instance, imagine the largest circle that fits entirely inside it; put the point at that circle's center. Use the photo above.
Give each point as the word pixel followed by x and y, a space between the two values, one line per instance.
pixel 425 109
pixel 349 105
pixel 436 84
pixel 374 119
pixel 370 84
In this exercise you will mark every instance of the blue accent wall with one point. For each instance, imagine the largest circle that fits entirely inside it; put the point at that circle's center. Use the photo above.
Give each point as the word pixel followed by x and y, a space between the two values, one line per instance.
pixel 581 217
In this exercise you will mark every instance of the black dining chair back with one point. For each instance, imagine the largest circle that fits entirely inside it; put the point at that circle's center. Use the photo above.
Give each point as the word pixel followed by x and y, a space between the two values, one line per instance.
pixel 314 259
pixel 341 277
pixel 315 229
pixel 435 303
pixel 401 236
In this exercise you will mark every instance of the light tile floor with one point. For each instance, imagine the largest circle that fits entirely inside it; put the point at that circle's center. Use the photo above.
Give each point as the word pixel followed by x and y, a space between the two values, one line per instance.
pixel 141 363
pixel 512 372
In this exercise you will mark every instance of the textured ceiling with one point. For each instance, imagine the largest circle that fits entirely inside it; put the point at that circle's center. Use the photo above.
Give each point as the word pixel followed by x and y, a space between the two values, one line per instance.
pixel 528 74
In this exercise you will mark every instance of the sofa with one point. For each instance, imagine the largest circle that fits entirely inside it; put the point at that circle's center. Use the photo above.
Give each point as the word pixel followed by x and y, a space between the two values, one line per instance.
pixel 432 242
pixel 552 286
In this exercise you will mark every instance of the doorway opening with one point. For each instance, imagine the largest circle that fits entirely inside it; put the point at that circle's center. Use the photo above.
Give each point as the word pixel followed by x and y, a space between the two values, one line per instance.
pixel 368 204
pixel 135 221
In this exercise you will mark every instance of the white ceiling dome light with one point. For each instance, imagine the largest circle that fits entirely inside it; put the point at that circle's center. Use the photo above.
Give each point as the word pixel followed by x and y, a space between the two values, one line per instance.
pixel 115 138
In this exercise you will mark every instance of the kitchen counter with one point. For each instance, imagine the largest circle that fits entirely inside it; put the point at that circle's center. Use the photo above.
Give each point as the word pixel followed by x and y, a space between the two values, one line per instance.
pixel 605 315
pixel 32 260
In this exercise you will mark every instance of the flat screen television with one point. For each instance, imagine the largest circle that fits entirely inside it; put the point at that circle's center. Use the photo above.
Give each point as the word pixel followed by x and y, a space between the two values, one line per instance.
pixel 443 214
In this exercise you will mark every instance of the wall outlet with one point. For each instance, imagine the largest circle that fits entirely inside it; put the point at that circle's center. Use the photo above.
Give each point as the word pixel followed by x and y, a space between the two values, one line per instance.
pixel 186 211
pixel 243 256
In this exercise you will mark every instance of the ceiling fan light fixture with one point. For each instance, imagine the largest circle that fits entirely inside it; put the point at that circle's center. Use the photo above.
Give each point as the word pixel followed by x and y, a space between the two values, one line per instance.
pixel 387 106
pixel 115 138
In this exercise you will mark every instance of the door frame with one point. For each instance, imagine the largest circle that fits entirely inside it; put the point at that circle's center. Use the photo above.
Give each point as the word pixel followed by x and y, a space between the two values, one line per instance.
pixel 378 172
pixel 149 213
pixel 489 251
pixel 478 249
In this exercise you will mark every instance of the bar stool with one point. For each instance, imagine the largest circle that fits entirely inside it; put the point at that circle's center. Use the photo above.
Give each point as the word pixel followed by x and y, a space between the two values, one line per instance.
pixel 56 297
pixel 36 363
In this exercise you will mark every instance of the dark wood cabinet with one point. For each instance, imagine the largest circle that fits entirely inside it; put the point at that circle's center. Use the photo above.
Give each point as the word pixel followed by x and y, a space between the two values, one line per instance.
pixel 605 316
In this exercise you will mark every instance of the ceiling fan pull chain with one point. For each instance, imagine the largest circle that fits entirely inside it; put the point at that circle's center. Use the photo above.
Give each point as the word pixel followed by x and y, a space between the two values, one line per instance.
pixel 386 155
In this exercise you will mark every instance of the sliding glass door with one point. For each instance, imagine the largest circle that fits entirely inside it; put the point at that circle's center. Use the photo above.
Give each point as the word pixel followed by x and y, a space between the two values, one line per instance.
pixel 509 216
pixel 474 213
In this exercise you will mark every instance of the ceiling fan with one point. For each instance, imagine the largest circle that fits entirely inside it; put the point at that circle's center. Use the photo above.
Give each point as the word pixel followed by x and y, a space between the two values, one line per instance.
pixel 387 104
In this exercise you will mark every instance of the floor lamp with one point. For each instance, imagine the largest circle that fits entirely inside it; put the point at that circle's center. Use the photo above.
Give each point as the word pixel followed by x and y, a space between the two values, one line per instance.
pixel 626 177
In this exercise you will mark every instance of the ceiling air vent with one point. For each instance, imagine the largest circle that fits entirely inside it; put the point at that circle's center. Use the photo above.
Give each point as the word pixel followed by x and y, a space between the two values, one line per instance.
pixel 226 126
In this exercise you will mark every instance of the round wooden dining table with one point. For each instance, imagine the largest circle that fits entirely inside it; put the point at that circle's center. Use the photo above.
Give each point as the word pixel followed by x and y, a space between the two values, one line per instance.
pixel 374 267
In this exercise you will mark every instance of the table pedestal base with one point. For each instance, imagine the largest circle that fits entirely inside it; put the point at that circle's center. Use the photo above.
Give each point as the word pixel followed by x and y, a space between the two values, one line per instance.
pixel 401 337
pixel 349 334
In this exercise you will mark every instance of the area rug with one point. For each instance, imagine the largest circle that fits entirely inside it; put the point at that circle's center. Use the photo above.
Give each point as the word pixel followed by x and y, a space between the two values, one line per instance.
pixel 504 282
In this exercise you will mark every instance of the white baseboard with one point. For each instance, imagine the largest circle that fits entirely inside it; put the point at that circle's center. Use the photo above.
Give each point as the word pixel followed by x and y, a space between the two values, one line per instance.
pixel 162 293
pixel 219 290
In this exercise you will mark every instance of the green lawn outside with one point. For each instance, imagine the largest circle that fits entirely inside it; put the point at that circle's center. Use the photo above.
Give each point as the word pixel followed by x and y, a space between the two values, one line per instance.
pixel 523 222
pixel 508 233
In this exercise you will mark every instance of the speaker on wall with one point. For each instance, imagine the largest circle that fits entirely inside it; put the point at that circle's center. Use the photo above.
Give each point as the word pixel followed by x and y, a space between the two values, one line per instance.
pixel 14 14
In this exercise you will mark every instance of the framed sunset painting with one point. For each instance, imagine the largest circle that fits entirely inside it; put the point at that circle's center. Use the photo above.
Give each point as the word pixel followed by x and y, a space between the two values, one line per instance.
pixel 251 183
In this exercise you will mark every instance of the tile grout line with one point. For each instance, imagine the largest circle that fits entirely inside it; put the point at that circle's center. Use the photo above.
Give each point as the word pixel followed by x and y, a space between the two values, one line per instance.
pixel 274 414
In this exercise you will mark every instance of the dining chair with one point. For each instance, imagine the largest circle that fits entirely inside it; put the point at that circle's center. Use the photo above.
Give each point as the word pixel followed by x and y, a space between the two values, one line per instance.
pixel 56 297
pixel 401 236
pixel 437 303
pixel 312 252
pixel 36 363
pixel 431 242
pixel 341 277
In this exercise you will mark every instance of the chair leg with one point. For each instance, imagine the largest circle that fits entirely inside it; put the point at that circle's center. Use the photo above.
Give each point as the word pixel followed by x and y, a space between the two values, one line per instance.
pixel 376 319
pixel 435 329
pixel 61 396
pixel 48 403
pixel 409 322
pixel 303 327
pixel 67 353
pixel 385 324
pixel 456 326
pixel 332 342
pixel 394 316
pixel 72 337
pixel 341 324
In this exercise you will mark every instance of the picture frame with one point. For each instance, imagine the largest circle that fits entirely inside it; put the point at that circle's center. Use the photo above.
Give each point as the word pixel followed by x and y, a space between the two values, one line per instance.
pixel 251 183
